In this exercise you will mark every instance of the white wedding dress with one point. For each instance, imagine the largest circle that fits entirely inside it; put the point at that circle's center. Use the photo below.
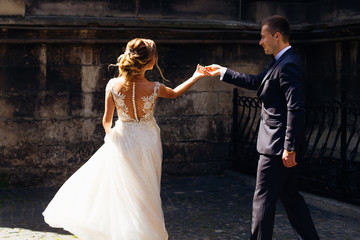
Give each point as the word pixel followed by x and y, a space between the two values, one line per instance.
pixel 116 193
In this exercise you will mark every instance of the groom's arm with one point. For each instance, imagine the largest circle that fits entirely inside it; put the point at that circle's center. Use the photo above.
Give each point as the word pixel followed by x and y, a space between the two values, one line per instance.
pixel 291 85
pixel 251 82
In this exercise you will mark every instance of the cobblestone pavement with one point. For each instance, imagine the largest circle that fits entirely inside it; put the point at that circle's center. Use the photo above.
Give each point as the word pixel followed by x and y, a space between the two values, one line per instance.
pixel 206 208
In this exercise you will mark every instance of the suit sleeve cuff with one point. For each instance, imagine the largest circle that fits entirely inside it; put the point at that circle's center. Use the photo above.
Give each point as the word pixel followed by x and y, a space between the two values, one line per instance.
pixel 290 145
pixel 222 73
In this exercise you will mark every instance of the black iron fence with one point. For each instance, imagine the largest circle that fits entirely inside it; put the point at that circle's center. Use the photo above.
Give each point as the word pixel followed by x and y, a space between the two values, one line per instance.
pixel 331 159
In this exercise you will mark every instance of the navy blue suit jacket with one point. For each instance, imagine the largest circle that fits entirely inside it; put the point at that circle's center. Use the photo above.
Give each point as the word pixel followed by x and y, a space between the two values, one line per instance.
pixel 282 114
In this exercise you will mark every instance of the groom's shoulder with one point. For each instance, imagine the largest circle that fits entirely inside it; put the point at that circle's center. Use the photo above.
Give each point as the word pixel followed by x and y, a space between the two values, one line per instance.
pixel 293 56
pixel 291 59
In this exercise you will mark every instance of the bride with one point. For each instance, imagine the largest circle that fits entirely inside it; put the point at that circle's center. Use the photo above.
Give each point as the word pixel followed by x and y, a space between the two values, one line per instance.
pixel 116 193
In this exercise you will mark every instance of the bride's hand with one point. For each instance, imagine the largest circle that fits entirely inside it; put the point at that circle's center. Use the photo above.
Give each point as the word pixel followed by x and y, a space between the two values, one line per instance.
pixel 199 73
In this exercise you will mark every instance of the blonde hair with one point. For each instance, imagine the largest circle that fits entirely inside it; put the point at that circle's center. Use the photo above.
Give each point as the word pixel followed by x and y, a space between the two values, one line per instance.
pixel 138 53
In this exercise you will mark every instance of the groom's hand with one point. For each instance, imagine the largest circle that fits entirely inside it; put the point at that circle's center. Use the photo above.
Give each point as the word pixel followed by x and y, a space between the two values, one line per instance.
pixel 214 70
pixel 288 159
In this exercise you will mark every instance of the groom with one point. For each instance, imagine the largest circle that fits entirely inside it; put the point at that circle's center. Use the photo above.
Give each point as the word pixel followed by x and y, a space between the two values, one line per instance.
pixel 280 134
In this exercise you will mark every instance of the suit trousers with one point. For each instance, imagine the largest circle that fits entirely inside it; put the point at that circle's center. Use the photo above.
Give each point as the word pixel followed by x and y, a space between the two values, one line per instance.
pixel 275 181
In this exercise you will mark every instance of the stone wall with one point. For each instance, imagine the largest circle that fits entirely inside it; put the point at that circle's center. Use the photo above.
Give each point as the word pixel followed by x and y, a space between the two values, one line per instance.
pixel 301 11
pixel 175 9
pixel 52 104
pixel 53 71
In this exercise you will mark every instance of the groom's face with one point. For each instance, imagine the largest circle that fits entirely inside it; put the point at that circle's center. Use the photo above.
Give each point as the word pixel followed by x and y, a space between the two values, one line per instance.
pixel 268 41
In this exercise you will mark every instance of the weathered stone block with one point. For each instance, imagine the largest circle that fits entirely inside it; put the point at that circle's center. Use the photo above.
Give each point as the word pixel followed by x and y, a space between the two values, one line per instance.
pixel 204 103
pixel 25 105
pixel 105 75
pixel 87 55
pixel 200 9
pixel 89 78
pixel 75 103
pixel 80 153
pixel 18 151
pixel 54 106
pixel 99 132
pixel 169 128
pixel 92 105
pixel 64 53
pixel 22 131
pixel 190 103
pixel 88 128
pixel 98 106
pixel 19 55
pixel 54 54
pixel 211 84
pixel 87 104
pixel 73 54
pixel 174 151
pixel 63 78
pixel 188 52
pixel 24 154
pixel 207 151
pixel 194 168
pixel 68 130
pixel 53 155
pixel 258 10
pixel 18 106
pixel 82 8
pixel 7 108
pixel 19 78
pixel 226 103
pixel 108 54
pixel 8 133
pixel 151 8
pixel 60 131
pixel 195 151
pixel 199 128
pixel 12 7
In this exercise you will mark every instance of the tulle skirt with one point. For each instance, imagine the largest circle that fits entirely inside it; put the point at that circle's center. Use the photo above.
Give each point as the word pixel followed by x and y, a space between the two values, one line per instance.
pixel 116 193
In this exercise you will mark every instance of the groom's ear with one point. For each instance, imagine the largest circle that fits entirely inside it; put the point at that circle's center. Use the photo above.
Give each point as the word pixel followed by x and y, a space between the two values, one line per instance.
pixel 277 35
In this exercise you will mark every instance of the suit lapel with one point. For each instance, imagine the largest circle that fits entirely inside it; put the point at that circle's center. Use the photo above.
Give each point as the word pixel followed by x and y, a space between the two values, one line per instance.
pixel 272 69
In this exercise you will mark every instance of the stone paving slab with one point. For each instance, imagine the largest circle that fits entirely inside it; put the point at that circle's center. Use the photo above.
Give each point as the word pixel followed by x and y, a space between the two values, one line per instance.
pixel 203 208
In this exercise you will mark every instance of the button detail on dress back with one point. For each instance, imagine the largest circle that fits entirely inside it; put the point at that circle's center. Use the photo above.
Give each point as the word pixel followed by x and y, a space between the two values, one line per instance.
pixel 133 100
pixel 124 104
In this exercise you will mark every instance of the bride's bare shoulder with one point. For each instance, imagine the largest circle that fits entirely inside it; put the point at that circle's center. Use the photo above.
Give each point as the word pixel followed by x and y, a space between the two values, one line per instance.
pixel 115 83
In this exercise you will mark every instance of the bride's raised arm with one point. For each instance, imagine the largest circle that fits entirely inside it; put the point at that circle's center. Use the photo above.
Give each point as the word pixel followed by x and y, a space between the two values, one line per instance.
pixel 166 92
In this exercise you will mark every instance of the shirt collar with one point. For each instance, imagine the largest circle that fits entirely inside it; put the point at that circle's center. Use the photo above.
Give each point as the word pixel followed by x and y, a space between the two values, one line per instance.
pixel 281 53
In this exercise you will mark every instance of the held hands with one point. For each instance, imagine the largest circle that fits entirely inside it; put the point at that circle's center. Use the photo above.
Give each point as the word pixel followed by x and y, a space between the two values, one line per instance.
pixel 288 159
pixel 211 70
pixel 199 73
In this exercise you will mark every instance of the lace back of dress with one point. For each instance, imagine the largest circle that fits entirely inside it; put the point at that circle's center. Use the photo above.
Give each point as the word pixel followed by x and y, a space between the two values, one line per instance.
pixel 137 104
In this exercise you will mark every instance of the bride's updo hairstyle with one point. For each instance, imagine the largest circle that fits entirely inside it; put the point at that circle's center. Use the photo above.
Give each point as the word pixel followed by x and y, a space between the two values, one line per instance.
pixel 138 53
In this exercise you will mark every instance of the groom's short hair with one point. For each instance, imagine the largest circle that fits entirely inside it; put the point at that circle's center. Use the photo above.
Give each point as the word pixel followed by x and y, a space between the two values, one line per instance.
pixel 277 23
